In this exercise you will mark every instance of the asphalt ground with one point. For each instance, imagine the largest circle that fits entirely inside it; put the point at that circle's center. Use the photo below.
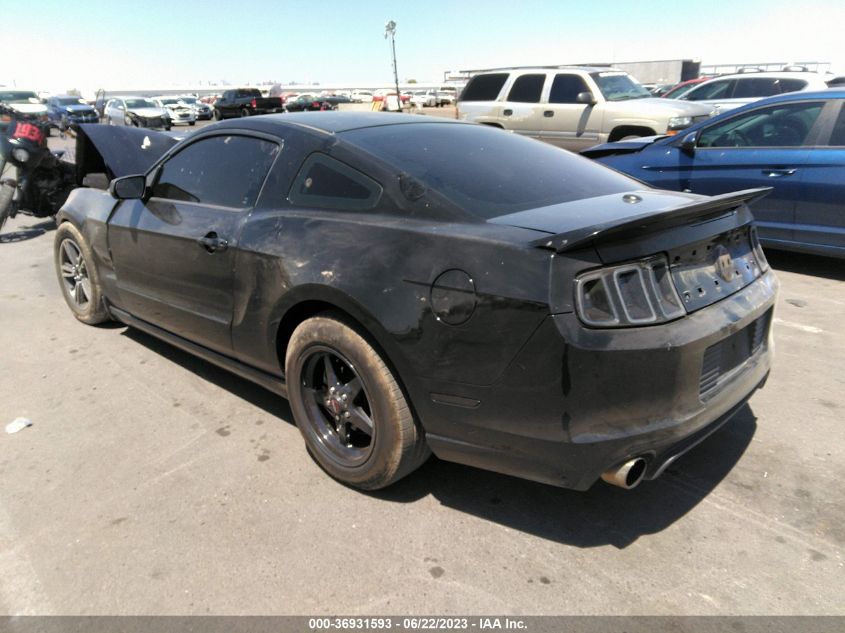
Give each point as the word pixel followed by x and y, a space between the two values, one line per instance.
pixel 154 483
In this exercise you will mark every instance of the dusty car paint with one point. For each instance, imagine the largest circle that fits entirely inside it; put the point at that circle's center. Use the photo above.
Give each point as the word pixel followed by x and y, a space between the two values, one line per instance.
pixel 520 385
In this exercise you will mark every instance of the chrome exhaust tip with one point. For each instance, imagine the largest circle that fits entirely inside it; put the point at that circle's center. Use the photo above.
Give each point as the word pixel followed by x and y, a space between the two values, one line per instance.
pixel 627 475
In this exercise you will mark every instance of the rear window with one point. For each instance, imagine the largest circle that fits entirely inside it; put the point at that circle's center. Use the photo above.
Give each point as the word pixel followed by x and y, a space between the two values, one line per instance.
pixel 488 172
pixel 484 87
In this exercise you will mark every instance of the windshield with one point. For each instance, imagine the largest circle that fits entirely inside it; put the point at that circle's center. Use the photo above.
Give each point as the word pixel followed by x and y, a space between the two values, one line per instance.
pixel 486 172
pixel 190 101
pixel 19 96
pixel 70 101
pixel 616 85
pixel 168 101
pixel 140 103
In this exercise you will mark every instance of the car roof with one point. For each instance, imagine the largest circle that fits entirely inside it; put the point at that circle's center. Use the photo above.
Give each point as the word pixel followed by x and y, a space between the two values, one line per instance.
pixel 809 75
pixel 330 122
pixel 544 69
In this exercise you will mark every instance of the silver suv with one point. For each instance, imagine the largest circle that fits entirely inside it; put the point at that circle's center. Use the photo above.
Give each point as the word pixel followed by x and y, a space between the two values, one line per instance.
pixel 731 91
pixel 573 107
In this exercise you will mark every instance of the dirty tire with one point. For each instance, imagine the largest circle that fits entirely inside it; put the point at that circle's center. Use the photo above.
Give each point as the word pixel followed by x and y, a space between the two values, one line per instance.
pixel 69 240
pixel 396 446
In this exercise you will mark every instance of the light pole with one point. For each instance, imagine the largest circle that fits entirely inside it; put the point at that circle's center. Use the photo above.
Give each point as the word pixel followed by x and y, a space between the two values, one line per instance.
pixel 390 29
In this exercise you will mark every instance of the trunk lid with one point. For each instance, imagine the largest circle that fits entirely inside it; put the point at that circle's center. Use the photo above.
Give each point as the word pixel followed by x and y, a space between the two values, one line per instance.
pixel 626 216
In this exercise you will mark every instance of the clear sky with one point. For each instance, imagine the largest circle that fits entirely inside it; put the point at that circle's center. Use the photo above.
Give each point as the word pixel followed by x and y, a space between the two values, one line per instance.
pixel 88 44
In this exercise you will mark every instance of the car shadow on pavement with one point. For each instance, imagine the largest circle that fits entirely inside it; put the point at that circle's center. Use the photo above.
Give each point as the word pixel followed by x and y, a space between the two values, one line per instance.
pixel 25 233
pixel 603 515
pixel 272 404
pixel 829 267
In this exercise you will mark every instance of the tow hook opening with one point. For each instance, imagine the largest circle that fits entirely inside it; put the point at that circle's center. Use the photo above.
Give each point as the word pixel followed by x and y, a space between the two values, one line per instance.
pixel 627 475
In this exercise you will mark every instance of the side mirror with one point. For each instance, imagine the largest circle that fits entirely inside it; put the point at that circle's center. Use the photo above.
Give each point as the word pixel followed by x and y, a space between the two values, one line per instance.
pixel 128 187
pixel 689 142
pixel 586 97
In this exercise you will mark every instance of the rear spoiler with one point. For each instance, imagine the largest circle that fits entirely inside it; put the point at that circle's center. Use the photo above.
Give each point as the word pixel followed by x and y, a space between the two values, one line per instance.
pixel 631 227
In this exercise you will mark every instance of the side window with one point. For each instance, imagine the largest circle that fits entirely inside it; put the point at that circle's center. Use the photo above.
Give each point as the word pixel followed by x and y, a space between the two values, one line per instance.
pixel 527 89
pixel 325 182
pixel 225 171
pixel 484 87
pixel 784 125
pixel 565 88
pixel 766 87
pixel 791 85
pixel 715 90
pixel 837 137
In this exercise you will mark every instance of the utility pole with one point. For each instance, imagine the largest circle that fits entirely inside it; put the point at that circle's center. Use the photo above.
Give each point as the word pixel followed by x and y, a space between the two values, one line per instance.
pixel 390 29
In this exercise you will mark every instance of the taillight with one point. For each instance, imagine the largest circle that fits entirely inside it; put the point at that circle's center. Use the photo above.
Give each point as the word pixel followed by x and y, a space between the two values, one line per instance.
pixel 254 104
pixel 637 293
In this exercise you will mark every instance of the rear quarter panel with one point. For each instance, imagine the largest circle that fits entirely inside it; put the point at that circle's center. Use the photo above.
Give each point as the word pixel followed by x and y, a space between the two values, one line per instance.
pixel 380 271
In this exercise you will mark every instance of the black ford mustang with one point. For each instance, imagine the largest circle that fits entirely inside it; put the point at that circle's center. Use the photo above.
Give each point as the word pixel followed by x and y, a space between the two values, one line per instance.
pixel 415 284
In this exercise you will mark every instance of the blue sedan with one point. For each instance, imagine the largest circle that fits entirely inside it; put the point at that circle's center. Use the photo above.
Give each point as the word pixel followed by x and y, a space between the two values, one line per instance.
pixel 794 143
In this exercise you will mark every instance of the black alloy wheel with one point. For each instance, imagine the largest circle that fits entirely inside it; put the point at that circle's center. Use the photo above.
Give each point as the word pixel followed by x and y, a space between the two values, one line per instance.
pixel 338 408
pixel 348 405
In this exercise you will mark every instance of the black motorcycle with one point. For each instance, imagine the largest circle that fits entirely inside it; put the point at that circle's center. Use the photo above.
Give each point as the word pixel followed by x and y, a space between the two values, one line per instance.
pixel 43 180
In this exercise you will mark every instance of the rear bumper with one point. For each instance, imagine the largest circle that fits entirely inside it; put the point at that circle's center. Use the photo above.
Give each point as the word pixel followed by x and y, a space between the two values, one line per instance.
pixel 577 401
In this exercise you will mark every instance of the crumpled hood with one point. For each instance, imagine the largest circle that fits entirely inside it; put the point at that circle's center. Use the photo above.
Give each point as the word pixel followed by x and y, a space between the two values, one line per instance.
pixel 147 113
pixel 118 150
pixel 78 109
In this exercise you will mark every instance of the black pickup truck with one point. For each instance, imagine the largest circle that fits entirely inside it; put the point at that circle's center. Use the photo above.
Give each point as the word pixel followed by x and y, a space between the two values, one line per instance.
pixel 245 102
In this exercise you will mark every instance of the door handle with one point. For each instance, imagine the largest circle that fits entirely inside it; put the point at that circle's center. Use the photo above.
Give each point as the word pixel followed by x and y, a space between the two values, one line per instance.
pixel 548 113
pixel 212 243
pixel 508 112
pixel 778 173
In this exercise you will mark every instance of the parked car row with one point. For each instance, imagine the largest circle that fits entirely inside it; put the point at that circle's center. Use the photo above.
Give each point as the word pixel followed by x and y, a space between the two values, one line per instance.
pixel 793 142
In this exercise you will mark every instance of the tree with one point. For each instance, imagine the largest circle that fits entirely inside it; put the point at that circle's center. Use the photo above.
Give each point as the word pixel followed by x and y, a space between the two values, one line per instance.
pixel 411 81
